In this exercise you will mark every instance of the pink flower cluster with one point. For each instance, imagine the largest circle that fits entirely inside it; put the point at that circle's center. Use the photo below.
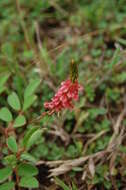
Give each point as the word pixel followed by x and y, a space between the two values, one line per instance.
pixel 64 97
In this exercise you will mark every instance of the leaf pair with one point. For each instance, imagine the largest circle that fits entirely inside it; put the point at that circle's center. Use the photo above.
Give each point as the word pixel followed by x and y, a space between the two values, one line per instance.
pixel 29 96
pixel 5 173
pixel 27 173
pixel 6 116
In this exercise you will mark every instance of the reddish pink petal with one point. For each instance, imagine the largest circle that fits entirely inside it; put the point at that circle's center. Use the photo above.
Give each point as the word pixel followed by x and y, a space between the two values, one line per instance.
pixel 63 98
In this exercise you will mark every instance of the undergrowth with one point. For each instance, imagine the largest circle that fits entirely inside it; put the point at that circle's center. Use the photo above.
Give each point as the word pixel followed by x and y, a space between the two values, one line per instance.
pixel 79 149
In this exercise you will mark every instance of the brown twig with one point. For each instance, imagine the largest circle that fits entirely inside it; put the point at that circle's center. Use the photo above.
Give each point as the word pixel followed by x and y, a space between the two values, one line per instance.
pixel 63 166
pixel 69 164
pixel 2 130
pixel 17 178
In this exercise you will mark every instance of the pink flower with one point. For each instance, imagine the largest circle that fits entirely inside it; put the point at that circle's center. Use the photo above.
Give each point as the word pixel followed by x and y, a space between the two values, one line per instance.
pixel 64 96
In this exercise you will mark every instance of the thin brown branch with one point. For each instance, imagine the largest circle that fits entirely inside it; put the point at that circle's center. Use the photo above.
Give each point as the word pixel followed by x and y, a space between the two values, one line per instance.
pixel 63 166
pixel 66 166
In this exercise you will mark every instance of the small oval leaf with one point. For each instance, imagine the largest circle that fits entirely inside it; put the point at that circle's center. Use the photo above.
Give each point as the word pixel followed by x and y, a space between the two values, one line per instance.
pixel 27 170
pixel 28 157
pixel 12 145
pixel 33 138
pixel 7 186
pixel 14 102
pixel 30 89
pixel 3 78
pixel 5 173
pixel 19 121
pixel 10 160
pixel 29 182
pixel 5 114
pixel 28 102
pixel 28 134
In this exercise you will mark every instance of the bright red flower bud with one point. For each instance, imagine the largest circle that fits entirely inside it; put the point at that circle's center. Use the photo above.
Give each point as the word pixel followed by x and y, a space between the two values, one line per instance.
pixel 64 96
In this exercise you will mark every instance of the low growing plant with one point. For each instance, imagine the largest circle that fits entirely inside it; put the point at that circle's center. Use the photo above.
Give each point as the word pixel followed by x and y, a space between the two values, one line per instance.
pixel 20 134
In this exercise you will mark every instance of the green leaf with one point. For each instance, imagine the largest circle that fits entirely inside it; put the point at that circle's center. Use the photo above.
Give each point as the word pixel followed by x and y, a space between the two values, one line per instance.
pixel 28 102
pixel 33 138
pixel 20 121
pixel 115 59
pixel 14 102
pixel 74 187
pixel 5 114
pixel 121 41
pixel 2 89
pixel 30 89
pixel 77 169
pixel 27 170
pixel 3 79
pixel 29 182
pixel 7 49
pixel 61 184
pixel 94 112
pixel 12 145
pixel 28 157
pixel 28 134
pixel 122 149
pixel 11 160
pixel 7 186
pixel 5 173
